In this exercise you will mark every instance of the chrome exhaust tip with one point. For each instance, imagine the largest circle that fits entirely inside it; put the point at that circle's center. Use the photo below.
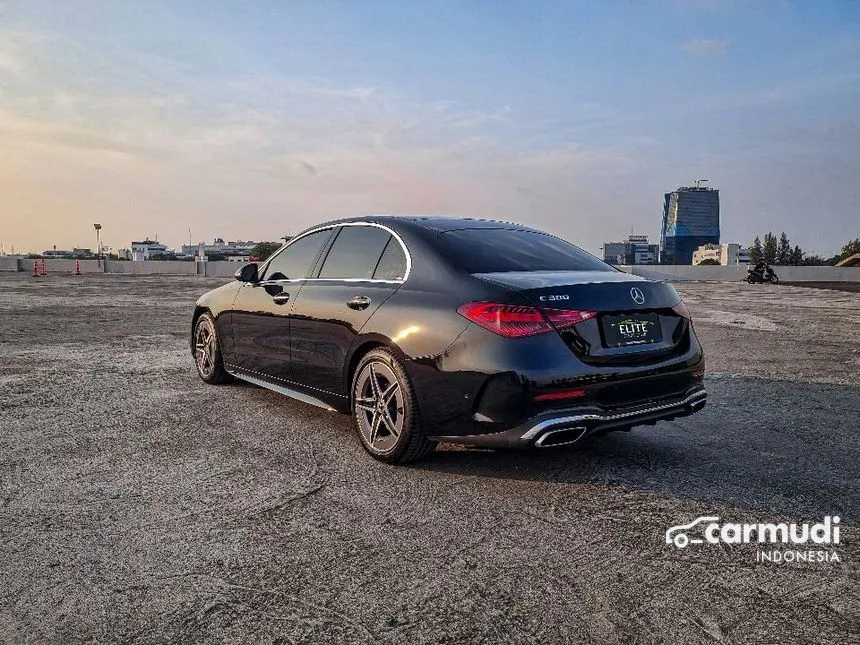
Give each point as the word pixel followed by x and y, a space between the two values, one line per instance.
pixel 561 437
pixel 695 406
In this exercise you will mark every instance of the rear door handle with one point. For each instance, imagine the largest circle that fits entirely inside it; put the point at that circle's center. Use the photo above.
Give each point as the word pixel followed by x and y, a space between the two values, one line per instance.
pixel 281 298
pixel 359 302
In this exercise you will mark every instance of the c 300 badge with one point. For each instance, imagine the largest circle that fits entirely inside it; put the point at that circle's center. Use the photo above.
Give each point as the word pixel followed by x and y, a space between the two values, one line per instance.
pixel 555 297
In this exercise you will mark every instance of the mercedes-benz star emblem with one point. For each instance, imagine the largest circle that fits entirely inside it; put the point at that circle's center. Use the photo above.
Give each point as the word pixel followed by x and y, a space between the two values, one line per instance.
pixel 638 296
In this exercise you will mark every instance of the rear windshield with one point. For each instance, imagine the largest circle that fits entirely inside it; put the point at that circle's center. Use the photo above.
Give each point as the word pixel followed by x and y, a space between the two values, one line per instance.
pixel 491 250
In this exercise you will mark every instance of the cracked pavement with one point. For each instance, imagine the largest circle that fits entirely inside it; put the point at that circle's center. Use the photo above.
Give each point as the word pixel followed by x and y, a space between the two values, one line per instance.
pixel 139 505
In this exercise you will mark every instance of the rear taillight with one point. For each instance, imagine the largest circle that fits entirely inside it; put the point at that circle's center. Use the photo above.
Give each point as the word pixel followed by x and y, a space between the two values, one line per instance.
pixel 563 318
pixel 511 321
pixel 681 310
pixel 516 321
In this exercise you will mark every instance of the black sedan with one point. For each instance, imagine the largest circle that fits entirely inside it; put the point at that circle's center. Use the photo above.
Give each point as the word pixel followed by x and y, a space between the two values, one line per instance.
pixel 432 329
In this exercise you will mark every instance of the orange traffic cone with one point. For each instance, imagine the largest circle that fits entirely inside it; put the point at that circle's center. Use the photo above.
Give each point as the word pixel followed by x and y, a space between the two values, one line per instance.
pixel 77 267
pixel 44 268
pixel 35 268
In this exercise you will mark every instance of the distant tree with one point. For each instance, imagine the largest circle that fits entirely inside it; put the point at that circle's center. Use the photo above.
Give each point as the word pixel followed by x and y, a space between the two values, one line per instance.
pixel 850 249
pixel 755 251
pixel 262 250
pixel 813 261
pixel 783 251
pixel 796 256
pixel 769 250
pixel 33 256
pixel 216 257
pixel 709 262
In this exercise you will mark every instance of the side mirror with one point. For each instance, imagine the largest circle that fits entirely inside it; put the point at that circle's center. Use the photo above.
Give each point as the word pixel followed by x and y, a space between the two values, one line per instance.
pixel 248 273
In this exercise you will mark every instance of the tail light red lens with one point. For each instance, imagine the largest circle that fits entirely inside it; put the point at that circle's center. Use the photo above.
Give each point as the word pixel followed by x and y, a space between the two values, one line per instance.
pixel 517 321
pixel 681 310
pixel 562 318
pixel 511 321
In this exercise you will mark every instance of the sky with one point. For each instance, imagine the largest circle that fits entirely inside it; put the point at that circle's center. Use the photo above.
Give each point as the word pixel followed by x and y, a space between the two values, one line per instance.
pixel 252 120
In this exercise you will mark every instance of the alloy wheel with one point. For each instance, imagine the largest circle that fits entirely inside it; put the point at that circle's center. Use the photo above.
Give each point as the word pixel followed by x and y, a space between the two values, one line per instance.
pixel 379 407
pixel 205 347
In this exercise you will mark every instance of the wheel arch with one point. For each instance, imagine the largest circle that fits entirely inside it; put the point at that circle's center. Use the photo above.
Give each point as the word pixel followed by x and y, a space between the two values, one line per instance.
pixel 199 310
pixel 360 349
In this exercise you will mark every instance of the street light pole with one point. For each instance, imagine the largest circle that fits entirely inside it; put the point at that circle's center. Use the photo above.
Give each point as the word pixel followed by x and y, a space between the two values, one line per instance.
pixel 98 228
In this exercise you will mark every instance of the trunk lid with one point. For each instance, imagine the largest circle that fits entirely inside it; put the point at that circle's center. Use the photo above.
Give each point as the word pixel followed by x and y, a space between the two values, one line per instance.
pixel 621 300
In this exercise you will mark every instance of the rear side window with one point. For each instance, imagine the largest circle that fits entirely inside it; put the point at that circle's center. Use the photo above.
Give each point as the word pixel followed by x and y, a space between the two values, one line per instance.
pixel 491 250
pixel 296 261
pixel 355 253
pixel 392 264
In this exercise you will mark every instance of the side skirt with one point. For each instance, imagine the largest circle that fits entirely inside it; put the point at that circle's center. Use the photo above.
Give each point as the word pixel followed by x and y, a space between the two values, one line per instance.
pixel 280 389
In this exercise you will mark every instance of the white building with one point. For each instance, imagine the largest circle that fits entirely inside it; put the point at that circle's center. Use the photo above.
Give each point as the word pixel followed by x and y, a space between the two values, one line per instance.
pixel 220 247
pixel 725 254
pixel 635 250
pixel 142 251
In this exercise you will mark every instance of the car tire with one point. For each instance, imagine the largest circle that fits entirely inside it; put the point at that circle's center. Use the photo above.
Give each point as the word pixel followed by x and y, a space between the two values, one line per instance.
pixel 385 410
pixel 207 351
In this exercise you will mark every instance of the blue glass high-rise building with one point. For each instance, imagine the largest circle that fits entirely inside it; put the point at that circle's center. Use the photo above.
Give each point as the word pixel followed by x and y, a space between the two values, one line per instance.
pixel 691 218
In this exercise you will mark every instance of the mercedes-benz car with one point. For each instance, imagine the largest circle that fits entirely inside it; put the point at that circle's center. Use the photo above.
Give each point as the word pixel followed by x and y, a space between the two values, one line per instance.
pixel 433 329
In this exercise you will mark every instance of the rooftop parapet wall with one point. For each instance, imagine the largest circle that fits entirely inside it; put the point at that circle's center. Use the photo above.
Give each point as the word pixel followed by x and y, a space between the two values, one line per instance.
pixel 8 264
pixel 681 272
pixel 684 272
pixel 52 265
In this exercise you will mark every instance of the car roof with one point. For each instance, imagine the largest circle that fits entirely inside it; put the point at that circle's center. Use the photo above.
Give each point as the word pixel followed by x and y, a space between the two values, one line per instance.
pixel 437 223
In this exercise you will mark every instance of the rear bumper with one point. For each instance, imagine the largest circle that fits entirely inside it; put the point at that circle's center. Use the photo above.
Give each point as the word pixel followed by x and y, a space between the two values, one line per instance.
pixel 565 426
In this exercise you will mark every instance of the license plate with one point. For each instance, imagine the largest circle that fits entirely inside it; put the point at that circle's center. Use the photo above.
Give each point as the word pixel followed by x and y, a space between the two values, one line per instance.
pixel 631 329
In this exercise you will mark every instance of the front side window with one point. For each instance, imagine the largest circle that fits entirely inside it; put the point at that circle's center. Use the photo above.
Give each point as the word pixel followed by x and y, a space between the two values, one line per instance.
pixel 296 261
pixel 491 250
pixel 355 253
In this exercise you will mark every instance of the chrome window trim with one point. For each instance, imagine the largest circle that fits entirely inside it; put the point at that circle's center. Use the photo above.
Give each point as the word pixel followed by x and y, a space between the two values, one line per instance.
pixel 393 234
pixel 264 283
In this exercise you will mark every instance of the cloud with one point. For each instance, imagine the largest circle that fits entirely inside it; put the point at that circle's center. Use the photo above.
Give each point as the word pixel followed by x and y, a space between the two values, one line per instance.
pixel 10 64
pixel 704 46
pixel 152 139
pixel 257 155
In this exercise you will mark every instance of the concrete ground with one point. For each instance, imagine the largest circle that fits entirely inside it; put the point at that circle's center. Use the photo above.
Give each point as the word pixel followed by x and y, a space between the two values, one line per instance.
pixel 138 505
pixel 850 287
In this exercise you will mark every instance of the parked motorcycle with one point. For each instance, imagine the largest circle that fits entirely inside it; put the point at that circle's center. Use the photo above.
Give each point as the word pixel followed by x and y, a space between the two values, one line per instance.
pixel 759 277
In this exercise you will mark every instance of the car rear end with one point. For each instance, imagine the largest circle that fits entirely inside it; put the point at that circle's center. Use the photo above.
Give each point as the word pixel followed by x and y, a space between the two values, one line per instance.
pixel 564 353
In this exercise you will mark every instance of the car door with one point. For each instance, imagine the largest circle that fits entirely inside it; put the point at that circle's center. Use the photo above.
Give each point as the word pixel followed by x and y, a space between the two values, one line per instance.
pixel 261 313
pixel 363 267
